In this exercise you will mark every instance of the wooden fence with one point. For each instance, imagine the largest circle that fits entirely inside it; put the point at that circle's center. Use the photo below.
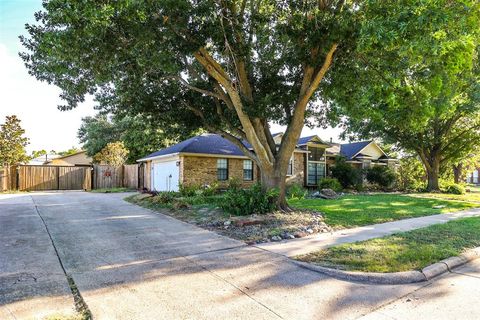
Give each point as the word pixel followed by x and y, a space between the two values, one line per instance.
pixel 105 177
pixel 8 178
pixel 40 178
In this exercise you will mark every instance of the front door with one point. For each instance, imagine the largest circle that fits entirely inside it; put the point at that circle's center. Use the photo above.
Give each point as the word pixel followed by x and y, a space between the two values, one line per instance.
pixel 316 172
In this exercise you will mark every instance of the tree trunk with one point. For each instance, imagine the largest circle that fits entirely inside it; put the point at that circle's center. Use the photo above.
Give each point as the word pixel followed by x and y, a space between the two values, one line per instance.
pixel 433 172
pixel 431 163
pixel 457 172
pixel 273 178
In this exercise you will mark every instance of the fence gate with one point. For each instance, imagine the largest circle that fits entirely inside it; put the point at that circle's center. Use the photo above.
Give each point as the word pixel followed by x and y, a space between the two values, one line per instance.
pixel 39 178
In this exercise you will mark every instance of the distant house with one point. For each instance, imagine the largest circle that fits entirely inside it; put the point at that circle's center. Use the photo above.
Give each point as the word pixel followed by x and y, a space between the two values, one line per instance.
pixel 42 160
pixel 76 159
pixel 473 177
pixel 209 158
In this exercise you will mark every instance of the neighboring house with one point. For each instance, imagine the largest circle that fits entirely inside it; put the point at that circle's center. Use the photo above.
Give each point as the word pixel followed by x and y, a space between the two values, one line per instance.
pixel 473 177
pixel 42 160
pixel 209 158
pixel 76 159
pixel 362 154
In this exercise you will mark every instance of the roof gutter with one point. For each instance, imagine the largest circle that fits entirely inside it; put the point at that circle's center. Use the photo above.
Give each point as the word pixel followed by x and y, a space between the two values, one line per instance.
pixel 158 157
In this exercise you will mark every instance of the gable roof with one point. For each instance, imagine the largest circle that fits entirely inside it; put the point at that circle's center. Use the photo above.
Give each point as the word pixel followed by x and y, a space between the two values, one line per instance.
pixel 350 150
pixel 208 143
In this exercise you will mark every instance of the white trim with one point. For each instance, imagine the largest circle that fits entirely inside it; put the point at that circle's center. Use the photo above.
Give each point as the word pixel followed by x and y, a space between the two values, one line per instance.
pixel 378 147
pixel 170 155
pixel 292 158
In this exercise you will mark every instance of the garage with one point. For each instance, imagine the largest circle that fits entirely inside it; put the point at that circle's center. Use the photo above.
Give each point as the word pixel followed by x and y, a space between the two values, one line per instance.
pixel 165 175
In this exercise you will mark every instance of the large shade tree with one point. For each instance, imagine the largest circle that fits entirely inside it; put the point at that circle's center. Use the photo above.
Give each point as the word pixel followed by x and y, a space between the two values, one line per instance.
pixel 413 79
pixel 229 66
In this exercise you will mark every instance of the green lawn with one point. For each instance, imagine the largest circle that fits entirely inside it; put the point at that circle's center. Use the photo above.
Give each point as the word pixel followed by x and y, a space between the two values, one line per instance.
pixel 411 250
pixel 360 210
pixel 472 196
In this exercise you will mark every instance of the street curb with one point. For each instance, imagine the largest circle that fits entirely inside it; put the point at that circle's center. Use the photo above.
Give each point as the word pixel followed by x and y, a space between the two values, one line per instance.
pixel 406 277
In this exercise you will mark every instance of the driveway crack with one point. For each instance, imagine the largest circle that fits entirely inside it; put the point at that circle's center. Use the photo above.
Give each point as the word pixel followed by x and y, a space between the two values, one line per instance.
pixel 80 304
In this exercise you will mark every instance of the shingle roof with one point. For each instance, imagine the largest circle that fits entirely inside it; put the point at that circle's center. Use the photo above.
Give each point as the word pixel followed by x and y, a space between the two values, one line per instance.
pixel 206 143
pixel 348 150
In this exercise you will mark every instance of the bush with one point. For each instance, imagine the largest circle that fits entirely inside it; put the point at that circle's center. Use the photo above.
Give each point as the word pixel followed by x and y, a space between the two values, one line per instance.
pixel 381 175
pixel 164 197
pixel 234 183
pixel 249 201
pixel 330 183
pixel 198 190
pixel 296 191
pixel 455 189
pixel 347 175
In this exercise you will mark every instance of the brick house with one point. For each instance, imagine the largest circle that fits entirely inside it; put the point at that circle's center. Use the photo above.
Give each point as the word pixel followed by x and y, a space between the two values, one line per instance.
pixel 209 158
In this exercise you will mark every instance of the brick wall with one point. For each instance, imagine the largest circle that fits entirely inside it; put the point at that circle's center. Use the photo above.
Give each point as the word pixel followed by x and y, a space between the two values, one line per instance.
pixel 203 170
pixel 298 170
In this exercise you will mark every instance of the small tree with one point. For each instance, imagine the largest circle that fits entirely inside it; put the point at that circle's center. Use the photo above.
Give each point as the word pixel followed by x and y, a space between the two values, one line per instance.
pixel 12 142
pixel 114 154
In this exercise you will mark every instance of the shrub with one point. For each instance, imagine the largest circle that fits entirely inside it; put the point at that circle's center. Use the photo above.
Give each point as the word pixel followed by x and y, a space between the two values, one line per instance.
pixel 234 183
pixel 330 183
pixel 381 175
pixel 455 189
pixel 189 190
pixel 296 191
pixel 347 175
pixel 198 190
pixel 164 197
pixel 248 201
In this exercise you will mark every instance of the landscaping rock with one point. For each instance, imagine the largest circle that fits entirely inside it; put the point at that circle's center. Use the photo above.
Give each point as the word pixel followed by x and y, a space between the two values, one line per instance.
pixel 276 238
pixel 328 194
pixel 300 234
pixel 248 221
pixel 310 231
pixel 227 223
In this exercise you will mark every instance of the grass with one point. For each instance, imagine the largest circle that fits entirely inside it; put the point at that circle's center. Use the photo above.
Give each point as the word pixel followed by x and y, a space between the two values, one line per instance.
pixel 405 251
pixel 111 190
pixel 360 210
pixel 472 196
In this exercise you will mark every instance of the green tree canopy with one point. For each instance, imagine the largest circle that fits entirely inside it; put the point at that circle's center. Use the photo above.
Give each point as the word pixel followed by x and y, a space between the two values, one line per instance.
pixel 140 134
pixel 113 154
pixel 230 67
pixel 413 79
pixel 12 142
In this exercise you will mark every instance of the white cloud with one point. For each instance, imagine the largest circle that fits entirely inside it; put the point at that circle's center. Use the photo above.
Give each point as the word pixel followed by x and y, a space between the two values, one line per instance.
pixel 35 103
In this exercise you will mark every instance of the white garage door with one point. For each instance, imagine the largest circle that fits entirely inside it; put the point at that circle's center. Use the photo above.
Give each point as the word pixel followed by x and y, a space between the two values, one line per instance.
pixel 165 176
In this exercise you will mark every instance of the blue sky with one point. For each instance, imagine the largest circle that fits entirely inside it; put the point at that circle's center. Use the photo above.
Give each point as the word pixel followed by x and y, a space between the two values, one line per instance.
pixel 34 102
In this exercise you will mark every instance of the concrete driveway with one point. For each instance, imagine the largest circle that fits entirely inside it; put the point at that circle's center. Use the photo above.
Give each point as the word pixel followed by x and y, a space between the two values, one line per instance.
pixel 131 263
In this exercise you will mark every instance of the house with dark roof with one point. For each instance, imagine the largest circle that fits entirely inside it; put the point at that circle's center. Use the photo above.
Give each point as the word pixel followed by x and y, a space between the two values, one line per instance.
pixel 209 158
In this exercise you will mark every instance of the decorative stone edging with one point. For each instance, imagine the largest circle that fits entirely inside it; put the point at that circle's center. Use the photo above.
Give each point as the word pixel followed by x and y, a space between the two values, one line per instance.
pixel 427 273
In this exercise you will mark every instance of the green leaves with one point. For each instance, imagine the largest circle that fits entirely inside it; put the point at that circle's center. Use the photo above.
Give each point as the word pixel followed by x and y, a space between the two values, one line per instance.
pixel 12 142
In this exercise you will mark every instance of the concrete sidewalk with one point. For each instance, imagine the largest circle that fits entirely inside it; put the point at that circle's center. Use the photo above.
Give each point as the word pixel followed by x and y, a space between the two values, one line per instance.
pixel 313 243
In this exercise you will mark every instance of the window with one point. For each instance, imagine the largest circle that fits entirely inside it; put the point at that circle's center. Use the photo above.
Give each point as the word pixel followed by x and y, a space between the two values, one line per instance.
pixel 248 170
pixel 222 169
pixel 316 154
pixel 290 167
pixel 316 172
